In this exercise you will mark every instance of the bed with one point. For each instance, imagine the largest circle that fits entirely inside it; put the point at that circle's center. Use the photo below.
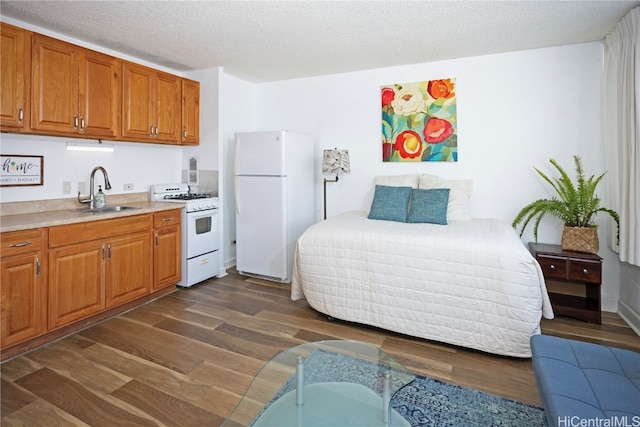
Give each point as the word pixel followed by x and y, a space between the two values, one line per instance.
pixel 469 283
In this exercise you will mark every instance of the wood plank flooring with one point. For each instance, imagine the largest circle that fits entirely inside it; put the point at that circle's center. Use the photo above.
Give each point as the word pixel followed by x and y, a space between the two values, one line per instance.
pixel 187 358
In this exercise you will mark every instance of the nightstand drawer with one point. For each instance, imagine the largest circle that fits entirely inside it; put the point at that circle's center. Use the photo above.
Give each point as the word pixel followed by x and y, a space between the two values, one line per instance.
pixel 553 267
pixel 585 271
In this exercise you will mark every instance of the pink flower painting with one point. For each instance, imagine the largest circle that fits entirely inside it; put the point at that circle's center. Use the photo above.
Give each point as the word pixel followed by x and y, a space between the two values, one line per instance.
pixel 419 122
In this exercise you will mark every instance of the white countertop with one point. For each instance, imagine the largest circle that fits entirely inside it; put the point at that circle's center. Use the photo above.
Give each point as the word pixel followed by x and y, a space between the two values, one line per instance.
pixel 24 221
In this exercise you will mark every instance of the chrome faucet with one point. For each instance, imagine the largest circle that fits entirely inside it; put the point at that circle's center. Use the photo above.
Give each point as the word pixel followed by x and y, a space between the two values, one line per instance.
pixel 107 186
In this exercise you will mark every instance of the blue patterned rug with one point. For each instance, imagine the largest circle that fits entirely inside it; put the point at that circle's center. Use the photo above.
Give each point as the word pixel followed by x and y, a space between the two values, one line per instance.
pixel 425 402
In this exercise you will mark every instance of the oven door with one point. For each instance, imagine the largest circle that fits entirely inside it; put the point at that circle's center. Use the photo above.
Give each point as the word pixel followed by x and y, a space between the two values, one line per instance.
pixel 202 232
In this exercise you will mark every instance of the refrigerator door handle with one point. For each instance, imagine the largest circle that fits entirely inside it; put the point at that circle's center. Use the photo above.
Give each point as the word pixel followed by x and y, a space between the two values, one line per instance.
pixel 235 192
pixel 236 142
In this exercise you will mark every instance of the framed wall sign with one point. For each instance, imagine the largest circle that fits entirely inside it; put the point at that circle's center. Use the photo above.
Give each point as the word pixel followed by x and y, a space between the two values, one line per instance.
pixel 21 170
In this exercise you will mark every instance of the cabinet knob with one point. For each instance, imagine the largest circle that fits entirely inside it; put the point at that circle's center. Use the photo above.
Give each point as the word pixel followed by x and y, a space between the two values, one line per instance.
pixel 553 267
pixel 585 271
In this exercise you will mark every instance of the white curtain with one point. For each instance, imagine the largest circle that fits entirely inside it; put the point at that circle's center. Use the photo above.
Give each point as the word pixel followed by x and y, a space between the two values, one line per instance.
pixel 622 133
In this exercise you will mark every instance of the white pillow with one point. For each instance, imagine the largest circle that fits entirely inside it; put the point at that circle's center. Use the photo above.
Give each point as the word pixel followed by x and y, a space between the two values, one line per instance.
pixel 459 193
pixel 398 180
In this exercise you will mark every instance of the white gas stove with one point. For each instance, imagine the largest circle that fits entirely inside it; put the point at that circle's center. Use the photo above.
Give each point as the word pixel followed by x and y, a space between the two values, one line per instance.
pixel 200 231
pixel 180 193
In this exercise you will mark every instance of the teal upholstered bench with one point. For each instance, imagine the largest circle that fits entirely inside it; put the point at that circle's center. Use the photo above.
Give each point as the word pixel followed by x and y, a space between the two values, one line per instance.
pixel 581 383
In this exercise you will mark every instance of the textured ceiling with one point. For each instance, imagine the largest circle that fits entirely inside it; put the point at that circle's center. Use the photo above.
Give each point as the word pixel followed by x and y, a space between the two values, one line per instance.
pixel 276 40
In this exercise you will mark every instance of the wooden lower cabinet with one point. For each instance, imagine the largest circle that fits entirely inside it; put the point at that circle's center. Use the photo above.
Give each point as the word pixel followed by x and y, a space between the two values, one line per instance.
pixel 59 279
pixel 166 250
pixel 76 282
pixel 23 286
pixel 129 268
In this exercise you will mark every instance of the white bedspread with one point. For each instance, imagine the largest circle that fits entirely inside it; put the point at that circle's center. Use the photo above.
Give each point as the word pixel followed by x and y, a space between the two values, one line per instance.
pixel 469 283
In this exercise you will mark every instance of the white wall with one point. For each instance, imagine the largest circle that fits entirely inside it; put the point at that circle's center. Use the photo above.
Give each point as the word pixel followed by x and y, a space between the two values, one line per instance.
pixel 238 115
pixel 131 163
pixel 515 111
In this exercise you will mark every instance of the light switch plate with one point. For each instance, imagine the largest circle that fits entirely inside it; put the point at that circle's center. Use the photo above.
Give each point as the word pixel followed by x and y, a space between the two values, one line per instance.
pixel 66 187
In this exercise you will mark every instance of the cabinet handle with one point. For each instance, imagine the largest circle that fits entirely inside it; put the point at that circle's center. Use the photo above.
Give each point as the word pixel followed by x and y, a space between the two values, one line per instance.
pixel 20 245
pixel 104 252
pixel 20 114
pixel 168 219
pixel 156 130
pixel 75 121
pixel 184 132
pixel 81 122
pixel 110 252
pixel 553 267
pixel 157 241
pixel 151 130
pixel 37 267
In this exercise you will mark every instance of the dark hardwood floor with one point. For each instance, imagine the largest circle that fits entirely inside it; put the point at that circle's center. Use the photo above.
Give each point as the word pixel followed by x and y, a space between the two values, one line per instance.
pixel 187 358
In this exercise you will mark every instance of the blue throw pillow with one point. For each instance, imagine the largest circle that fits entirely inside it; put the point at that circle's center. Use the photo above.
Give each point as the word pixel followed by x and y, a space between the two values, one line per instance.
pixel 390 203
pixel 429 206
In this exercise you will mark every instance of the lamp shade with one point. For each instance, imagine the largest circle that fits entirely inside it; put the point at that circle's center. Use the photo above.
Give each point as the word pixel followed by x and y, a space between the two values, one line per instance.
pixel 335 161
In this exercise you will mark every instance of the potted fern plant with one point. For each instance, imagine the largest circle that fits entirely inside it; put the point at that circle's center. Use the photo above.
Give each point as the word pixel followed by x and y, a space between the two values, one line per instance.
pixel 575 203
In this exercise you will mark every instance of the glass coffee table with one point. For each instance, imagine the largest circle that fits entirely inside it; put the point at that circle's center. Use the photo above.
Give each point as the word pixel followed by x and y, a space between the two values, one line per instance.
pixel 325 383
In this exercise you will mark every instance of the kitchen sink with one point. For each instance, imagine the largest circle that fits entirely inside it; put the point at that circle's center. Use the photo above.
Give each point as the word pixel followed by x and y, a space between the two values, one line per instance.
pixel 106 209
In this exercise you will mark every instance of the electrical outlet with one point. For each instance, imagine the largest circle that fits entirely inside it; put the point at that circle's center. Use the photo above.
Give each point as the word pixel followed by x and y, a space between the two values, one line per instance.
pixel 66 187
pixel 128 187
pixel 82 187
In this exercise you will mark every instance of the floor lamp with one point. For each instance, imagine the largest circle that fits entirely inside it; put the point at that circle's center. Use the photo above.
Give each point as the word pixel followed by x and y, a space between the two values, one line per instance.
pixel 334 161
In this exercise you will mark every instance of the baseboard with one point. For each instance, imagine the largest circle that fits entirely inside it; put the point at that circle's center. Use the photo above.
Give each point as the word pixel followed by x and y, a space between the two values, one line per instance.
pixel 630 316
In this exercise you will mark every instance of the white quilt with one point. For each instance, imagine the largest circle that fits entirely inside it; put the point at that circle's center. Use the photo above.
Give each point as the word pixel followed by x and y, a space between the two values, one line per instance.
pixel 469 283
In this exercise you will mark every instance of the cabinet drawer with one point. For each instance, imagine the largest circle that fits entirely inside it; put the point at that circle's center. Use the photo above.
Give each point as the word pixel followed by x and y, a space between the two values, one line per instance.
pixel 585 271
pixel 553 267
pixel 94 230
pixel 21 242
pixel 166 218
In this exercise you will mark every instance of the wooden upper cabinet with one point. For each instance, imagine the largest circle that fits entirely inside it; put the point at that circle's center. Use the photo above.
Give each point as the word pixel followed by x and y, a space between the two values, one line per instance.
pixel 100 93
pixel 150 105
pixel 76 91
pixel 190 112
pixel 15 60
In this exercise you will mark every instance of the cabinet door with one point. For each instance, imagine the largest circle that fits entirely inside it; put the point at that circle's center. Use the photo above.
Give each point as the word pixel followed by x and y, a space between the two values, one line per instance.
pixel 137 102
pixel 100 94
pixel 54 104
pixel 22 299
pixel 76 282
pixel 129 269
pixel 190 112
pixel 166 257
pixel 15 60
pixel 167 108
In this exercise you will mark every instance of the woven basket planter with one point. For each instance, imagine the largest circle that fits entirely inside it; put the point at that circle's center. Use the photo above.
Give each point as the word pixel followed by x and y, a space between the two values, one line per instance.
pixel 580 239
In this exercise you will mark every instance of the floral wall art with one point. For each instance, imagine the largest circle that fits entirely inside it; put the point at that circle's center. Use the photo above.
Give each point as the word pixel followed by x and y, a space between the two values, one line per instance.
pixel 419 122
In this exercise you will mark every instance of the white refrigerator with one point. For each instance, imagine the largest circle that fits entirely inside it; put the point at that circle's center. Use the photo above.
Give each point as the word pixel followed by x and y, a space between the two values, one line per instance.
pixel 275 200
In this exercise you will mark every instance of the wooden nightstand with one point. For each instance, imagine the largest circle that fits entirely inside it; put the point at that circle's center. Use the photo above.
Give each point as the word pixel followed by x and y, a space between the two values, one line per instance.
pixel 579 272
